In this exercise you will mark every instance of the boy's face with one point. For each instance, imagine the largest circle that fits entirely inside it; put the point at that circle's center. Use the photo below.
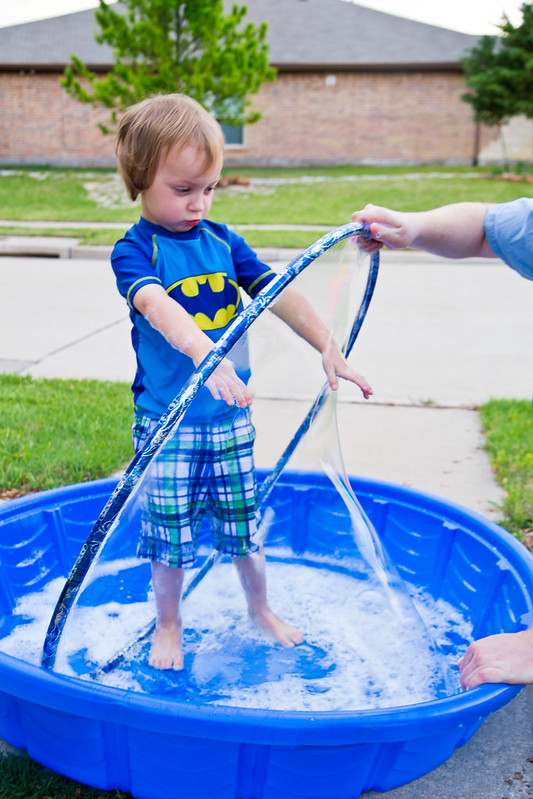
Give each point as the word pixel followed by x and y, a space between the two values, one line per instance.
pixel 181 192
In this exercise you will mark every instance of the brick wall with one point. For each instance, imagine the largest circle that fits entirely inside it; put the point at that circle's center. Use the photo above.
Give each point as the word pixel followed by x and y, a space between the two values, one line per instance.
pixel 396 117
pixel 364 117
pixel 40 123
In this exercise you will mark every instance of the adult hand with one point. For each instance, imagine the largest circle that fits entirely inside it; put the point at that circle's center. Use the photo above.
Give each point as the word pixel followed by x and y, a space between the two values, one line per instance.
pixel 506 657
pixel 385 227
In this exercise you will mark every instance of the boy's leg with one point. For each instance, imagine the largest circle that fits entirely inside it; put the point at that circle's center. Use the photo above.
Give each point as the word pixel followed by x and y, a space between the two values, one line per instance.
pixel 166 651
pixel 252 574
pixel 168 536
pixel 233 492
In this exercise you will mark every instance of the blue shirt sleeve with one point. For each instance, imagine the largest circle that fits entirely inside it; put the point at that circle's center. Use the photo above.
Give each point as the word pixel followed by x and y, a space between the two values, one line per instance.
pixel 132 268
pixel 509 231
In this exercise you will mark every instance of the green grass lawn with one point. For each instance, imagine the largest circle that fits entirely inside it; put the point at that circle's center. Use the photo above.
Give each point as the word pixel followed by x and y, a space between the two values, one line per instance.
pixel 332 203
pixel 23 778
pixel 56 432
pixel 297 196
pixel 508 428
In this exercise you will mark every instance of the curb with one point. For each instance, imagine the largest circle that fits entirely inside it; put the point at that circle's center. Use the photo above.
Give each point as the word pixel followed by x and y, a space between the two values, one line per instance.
pixel 55 247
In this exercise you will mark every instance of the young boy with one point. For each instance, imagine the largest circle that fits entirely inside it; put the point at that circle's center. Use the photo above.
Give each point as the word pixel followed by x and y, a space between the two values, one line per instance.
pixel 180 275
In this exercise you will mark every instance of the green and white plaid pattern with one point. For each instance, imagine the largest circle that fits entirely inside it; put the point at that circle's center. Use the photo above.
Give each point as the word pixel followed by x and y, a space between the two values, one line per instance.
pixel 202 471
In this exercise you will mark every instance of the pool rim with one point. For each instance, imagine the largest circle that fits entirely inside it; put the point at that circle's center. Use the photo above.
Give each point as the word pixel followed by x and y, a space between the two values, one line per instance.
pixel 71 695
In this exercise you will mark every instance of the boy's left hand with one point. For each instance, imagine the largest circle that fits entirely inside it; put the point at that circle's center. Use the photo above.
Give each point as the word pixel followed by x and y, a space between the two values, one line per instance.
pixel 335 365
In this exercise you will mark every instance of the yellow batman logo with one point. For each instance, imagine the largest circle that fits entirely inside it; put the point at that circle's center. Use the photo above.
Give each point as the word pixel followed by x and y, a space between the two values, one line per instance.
pixel 191 285
pixel 200 292
pixel 222 317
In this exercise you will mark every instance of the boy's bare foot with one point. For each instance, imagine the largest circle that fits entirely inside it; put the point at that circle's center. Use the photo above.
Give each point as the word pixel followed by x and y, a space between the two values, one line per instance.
pixel 166 651
pixel 281 630
pixel 251 571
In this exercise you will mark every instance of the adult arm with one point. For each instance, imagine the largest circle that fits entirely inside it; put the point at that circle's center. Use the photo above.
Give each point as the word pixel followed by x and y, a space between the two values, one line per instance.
pixel 453 231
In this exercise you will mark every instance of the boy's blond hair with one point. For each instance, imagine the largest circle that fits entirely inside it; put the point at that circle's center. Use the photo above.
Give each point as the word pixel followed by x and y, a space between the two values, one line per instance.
pixel 152 127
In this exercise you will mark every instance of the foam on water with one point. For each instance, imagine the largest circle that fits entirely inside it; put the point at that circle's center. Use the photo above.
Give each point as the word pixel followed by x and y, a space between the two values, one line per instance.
pixel 358 653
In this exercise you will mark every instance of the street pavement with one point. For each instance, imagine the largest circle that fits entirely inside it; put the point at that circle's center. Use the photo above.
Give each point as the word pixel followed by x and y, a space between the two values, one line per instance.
pixel 440 338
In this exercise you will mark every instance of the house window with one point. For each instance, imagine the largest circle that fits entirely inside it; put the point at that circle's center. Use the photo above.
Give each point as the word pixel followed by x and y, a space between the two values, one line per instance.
pixel 234 135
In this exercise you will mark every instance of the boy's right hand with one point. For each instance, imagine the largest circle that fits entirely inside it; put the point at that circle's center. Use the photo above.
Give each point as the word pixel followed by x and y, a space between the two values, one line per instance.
pixel 225 384
pixel 181 331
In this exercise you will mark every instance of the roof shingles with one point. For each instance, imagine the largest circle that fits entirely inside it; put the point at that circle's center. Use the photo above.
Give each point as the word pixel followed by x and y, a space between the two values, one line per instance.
pixel 302 34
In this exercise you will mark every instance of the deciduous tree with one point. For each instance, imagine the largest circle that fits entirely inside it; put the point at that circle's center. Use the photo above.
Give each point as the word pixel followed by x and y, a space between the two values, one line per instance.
pixel 163 46
pixel 499 72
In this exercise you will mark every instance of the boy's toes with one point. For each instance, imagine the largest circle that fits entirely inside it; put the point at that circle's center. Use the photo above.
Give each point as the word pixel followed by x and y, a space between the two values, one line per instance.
pixel 292 636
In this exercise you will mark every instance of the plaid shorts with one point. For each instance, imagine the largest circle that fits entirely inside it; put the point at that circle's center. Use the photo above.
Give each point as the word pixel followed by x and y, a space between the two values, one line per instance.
pixel 203 471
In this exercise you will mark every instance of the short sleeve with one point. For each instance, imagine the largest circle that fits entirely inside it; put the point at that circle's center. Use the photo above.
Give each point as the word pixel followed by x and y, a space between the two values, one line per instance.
pixel 132 269
pixel 509 232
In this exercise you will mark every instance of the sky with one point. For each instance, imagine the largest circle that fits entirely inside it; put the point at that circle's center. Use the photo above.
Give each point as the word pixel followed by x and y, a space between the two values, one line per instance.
pixel 467 16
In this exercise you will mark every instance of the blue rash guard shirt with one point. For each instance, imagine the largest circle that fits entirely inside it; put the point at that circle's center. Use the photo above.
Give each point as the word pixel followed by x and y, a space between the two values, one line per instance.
pixel 203 270
pixel 509 231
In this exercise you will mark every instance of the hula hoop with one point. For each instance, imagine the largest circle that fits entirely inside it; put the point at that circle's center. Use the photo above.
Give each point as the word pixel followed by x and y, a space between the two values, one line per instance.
pixel 173 415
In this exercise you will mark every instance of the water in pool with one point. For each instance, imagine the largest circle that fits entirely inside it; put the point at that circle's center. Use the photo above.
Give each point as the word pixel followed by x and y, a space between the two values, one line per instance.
pixel 358 653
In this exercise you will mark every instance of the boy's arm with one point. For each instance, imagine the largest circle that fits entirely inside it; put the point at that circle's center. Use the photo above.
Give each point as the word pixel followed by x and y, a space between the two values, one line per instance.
pixel 453 231
pixel 293 308
pixel 170 319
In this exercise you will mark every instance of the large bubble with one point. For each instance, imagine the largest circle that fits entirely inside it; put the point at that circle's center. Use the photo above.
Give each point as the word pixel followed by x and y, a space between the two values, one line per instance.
pixel 107 612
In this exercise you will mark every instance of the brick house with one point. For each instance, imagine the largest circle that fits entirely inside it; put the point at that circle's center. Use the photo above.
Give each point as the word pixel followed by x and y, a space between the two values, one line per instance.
pixel 354 85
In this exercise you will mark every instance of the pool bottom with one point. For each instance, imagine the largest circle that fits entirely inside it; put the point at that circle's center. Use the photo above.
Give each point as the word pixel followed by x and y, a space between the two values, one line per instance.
pixel 110 738
pixel 363 649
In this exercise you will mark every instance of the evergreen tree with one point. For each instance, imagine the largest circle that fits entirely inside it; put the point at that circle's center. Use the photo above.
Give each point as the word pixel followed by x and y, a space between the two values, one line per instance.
pixel 499 71
pixel 163 46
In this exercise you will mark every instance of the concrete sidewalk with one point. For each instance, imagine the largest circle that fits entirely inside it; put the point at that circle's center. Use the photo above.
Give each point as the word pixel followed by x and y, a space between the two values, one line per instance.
pixel 440 338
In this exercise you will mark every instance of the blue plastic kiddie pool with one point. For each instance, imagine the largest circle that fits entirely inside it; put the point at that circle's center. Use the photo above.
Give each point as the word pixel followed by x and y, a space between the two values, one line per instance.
pixel 159 747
